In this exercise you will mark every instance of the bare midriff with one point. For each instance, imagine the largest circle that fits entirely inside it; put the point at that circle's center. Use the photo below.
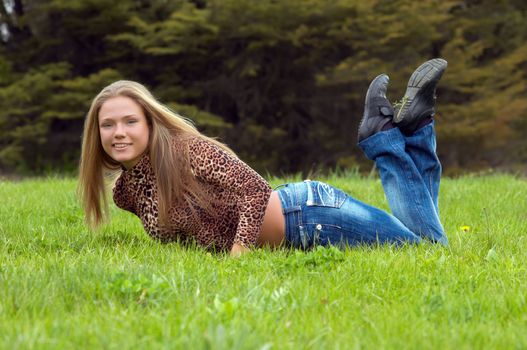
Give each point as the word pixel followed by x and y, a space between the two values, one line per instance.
pixel 273 228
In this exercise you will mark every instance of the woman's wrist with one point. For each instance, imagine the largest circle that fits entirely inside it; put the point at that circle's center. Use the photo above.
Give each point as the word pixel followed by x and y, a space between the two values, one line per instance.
pixel 238 249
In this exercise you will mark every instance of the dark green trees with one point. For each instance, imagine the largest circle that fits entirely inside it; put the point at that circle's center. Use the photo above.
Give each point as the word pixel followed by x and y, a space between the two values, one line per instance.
pixel 282 82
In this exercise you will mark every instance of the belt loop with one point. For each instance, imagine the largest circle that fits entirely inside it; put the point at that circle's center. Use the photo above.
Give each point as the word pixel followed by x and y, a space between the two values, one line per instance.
pixel 291 209
pixel 309 200
pixel 298 199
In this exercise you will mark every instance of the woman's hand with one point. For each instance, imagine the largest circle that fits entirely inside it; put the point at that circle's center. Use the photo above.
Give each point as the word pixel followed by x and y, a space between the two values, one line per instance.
pixel 238 249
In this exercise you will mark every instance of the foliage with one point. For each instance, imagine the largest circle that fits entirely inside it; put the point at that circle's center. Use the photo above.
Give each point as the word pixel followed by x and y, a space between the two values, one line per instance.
pixel 282 82
pixel 42 114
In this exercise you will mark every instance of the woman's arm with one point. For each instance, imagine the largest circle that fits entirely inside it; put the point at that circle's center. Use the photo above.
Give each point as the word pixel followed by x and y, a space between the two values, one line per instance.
pixel 121 196
pixel 214 165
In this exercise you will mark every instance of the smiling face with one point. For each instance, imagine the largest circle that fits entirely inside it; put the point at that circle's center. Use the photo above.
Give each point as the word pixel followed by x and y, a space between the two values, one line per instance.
pixel 124 130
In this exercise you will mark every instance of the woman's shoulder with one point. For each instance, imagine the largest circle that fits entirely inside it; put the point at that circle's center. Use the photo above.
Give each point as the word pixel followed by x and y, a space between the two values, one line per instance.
pixel 186 142
pixel 198 147
pixel 192 141
pixel 203 146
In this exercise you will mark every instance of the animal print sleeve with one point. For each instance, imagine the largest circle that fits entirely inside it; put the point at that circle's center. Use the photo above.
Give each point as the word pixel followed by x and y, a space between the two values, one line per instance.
pixel 219 167
pixel 121 197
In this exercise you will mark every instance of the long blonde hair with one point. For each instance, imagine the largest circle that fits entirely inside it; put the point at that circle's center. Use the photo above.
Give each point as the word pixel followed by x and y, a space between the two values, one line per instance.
pixel 171 165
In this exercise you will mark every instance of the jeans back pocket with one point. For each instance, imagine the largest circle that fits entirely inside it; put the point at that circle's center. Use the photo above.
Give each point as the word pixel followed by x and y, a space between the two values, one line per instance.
pixel 324 195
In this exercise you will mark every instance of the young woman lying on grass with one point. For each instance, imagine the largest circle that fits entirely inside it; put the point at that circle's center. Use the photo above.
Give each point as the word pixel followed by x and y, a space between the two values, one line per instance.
pixel 186 186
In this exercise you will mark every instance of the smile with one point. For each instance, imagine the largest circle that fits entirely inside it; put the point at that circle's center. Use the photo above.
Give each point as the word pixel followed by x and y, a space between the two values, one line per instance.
pixel 120 145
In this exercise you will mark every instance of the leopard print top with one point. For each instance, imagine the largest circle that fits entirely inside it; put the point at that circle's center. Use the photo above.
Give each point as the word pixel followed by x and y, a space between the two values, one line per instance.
pixel 239 197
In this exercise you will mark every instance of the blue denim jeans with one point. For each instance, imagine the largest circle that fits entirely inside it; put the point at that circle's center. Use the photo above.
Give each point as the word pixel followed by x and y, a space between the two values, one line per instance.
pixel 319 214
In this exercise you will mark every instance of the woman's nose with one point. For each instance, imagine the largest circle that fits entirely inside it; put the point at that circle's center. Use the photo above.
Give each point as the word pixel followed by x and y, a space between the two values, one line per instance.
pixel 119 130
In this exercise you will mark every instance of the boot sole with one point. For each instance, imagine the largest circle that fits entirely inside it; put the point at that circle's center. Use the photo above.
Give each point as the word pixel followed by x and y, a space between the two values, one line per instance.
pixel 427 72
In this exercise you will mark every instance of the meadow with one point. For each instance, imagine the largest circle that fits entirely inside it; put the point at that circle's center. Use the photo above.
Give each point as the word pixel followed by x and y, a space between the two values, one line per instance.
pixel 64 287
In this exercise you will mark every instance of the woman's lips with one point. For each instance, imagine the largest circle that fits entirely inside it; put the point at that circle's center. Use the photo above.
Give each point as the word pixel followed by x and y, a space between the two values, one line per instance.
pixel 121 145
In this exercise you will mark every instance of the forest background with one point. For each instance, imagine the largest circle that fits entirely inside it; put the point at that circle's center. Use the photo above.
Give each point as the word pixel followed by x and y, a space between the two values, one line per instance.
pixel 281 82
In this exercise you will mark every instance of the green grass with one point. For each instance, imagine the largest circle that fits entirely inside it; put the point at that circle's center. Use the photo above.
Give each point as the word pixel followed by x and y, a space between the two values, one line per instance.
pixel 62 287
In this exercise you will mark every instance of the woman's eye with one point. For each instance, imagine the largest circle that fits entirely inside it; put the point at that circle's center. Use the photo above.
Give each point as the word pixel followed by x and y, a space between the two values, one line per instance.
pixel 132 121
pixel 106 125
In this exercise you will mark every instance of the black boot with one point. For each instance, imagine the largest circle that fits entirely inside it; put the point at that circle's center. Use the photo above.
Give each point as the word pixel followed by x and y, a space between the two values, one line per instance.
pixel 378 112
pixel 419 100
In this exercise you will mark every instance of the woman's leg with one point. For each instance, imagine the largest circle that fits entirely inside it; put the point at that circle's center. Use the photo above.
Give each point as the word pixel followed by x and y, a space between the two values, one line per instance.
pixel 406 191
pixel 408 195
pixel 319 214
pixel 360 223
pixel 421 147
pixel 414 117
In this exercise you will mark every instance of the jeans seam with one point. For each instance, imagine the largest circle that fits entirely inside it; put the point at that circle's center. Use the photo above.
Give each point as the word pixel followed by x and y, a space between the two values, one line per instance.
pixel 407 170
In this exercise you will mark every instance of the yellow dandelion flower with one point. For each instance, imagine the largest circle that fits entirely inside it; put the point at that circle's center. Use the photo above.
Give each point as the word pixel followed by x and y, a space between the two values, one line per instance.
pixel 465 228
